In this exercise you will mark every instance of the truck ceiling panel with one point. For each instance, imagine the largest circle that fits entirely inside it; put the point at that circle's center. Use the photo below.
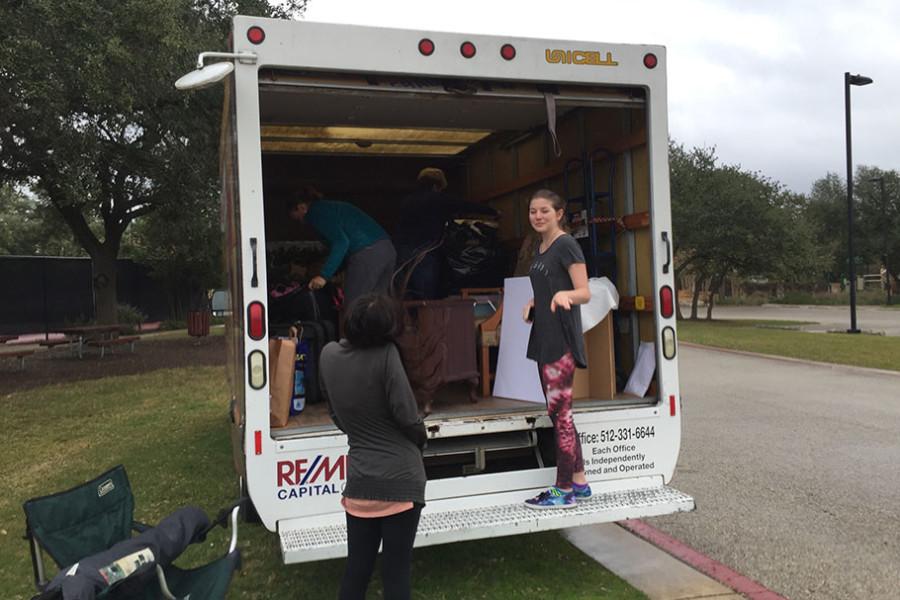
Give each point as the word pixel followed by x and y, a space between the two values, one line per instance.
pixel 354 108
pixel 350 99
pixel 367 140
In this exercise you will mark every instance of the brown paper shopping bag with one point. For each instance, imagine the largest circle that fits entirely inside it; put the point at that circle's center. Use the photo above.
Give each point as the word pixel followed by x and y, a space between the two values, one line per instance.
pixel 281 379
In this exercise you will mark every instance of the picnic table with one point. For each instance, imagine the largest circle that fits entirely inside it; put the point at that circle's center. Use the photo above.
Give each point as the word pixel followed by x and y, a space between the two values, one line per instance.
pixel 88 333
pixel 16 351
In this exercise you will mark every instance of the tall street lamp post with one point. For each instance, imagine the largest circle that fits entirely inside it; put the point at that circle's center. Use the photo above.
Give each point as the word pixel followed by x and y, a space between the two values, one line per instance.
pixel 848 81
pixel 884 244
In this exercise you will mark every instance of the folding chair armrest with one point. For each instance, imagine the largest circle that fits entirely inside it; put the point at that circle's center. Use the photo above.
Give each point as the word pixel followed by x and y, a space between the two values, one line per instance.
pixel 37 562
pixel 235 512
pixel 222 519
pixel 163 584
pixel 140 527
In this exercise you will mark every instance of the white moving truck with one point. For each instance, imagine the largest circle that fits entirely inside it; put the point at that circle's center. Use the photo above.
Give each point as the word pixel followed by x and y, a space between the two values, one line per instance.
pixel 357 111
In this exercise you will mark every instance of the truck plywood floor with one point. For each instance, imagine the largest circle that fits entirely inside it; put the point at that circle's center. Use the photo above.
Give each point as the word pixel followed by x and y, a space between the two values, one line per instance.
pixel 452 401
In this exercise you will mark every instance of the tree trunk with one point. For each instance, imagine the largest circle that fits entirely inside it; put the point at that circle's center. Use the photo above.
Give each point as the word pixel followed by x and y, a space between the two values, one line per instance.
pixel 103 256
pixel 678 314
pixel 695 299
pixel 106 300
pixel 710 301
pixel 713 289
pixel 677 285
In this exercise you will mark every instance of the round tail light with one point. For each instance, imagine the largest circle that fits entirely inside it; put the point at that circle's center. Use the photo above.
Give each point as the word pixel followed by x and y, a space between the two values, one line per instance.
pixel 256 35
pixel 426 47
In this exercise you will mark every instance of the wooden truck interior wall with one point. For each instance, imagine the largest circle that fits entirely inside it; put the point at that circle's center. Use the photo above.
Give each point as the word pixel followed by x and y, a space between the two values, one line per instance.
pixel 506 175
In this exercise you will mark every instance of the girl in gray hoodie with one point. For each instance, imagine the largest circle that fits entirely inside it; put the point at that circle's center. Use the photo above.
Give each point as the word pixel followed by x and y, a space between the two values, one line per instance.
pixel 370 400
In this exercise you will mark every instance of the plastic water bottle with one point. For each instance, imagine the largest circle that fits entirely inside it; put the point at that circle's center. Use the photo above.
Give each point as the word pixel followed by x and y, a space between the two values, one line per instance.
pixel 298 401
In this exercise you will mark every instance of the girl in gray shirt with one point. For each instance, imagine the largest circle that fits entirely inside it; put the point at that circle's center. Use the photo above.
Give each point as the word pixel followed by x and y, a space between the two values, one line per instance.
pixel 559 281
pixel 370 400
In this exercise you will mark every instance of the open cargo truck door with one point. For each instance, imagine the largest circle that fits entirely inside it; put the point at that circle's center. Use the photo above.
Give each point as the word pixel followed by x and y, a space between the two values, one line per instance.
pixel 358 111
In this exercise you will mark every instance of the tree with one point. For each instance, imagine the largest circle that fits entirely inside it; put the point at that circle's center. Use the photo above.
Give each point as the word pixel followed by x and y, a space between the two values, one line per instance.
pixel 30 227
pixel 92 122
pixel 689 173
pixel 730 221
pixel 827 214
pixel 184 254
pixel 876 219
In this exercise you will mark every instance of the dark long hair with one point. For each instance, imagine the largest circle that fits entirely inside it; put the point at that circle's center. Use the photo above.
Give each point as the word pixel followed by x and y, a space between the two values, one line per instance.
pixel 307 194
pixel 372 320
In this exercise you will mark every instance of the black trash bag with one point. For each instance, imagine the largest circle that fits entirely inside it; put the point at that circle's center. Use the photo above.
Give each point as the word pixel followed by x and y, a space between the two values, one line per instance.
pixel 472 255
pixel 296 302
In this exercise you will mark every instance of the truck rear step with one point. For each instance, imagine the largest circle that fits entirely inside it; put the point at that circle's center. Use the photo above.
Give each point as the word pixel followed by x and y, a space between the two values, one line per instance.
pixel 324 536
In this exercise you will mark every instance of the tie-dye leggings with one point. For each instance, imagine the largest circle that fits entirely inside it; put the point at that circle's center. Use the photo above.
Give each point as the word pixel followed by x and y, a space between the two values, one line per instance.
pixel 557 379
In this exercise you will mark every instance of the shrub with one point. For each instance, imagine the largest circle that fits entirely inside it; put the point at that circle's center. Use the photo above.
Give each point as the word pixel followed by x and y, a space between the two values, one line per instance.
pixel 863 297
pixel 754 299
pixel 171 324
pixel 130 316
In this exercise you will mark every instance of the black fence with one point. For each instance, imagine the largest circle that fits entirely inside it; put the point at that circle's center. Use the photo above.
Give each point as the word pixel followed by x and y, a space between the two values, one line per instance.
pixel 43 293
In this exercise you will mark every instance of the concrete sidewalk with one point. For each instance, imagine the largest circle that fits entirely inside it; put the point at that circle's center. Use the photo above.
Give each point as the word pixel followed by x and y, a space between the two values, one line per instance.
pixel 646 567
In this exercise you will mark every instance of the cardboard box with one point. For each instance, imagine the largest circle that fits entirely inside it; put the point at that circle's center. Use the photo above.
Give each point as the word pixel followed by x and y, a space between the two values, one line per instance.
pixel 598 381
pixel 282 352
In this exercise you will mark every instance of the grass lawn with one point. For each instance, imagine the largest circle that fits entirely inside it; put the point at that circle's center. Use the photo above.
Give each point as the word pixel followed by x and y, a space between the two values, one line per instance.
pixel 780 338
pixel 170 430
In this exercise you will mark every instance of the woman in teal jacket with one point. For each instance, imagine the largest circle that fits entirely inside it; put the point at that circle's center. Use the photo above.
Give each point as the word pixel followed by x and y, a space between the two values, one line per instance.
pixel 353 237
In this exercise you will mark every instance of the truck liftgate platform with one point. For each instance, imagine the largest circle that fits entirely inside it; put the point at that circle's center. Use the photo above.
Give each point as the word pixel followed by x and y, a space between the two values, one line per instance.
pixel 324 536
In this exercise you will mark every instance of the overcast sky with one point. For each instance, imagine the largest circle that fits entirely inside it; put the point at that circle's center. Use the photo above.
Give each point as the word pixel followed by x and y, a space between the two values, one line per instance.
pixel 760 80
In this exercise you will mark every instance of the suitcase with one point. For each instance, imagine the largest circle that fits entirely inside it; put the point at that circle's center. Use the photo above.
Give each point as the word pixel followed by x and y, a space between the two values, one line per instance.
pixel 311 338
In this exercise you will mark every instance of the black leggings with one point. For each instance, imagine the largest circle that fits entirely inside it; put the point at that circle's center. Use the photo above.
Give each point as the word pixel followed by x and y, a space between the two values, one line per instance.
pixel 396 534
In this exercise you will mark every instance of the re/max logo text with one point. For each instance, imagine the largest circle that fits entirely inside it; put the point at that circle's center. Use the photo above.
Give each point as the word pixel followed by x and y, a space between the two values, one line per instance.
pixel 302 471
pixel 302 478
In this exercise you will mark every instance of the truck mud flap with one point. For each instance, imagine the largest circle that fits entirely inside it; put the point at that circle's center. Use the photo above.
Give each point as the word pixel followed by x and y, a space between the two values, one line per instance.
pixel 457 519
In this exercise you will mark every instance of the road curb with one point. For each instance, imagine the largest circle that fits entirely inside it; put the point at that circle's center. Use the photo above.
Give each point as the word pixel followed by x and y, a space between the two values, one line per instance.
pixel 659 575
pixel 702 563
pixel 790 359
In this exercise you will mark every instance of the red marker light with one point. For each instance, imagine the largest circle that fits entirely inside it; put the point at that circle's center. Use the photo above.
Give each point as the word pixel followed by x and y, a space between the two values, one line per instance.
pixel 257 442
pixel 467 49
pixel 672 405
pixel 256 320
pixel 650 60
pixel 426 47
pixel 508 51
pixel 256 35
pixel 666 301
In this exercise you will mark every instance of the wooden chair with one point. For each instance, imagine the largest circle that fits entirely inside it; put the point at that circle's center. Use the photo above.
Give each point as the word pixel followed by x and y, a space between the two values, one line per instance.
pixel 488 334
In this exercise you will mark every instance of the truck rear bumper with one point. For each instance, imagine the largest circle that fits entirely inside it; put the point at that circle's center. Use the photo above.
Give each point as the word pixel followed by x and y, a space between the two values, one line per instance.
pixel 453 520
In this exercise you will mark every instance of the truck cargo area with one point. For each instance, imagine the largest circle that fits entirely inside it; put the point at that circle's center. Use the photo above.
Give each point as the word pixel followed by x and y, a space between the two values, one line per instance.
pixel 363 139
pixel 453 403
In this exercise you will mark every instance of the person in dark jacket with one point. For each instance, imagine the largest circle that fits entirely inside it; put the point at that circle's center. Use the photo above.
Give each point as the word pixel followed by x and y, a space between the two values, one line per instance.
pixel 370 399
pixel 354 239
pixel 424 214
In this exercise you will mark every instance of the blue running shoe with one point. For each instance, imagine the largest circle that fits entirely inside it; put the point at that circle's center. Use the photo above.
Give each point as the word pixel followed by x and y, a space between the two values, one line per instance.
pixel 581 492
pixel 552 498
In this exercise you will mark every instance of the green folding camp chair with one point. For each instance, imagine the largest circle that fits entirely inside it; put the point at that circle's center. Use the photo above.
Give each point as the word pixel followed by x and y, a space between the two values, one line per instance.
pixel 94 517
